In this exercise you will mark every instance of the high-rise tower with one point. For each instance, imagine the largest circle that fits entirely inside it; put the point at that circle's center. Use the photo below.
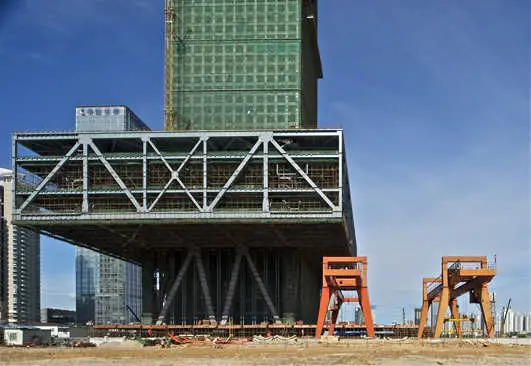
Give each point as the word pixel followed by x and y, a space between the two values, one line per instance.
pixel 22 257
pixel 105 287
pixel 241 65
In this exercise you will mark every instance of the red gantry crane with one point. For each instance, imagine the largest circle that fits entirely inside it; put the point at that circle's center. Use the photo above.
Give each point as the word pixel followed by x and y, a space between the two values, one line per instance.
pixel 459 275
pixel 343 274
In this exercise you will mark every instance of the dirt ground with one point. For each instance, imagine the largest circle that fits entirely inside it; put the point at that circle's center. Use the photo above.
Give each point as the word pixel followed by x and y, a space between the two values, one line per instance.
pixel 359 352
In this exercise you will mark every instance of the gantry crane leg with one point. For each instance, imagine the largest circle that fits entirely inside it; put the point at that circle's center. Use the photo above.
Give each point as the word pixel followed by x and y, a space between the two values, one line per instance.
pixel 486 311
pixel 323 309
pixel 333 316
pixel 455 315
pixel 443 306
pixel 423 317
pixel 363 295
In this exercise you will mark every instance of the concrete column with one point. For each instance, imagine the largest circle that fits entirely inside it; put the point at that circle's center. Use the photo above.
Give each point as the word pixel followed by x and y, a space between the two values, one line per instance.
pixel 149 295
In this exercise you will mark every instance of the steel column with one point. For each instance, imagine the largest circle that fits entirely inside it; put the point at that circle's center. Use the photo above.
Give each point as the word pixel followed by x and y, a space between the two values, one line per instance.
pixel 204 287
pixel 45 181
pixel 85 204
pixel 232 286
pixel 261 286
pixel 174 288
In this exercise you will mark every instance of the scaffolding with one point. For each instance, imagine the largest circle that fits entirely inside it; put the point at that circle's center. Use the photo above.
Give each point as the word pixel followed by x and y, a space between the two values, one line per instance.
pixel 241 66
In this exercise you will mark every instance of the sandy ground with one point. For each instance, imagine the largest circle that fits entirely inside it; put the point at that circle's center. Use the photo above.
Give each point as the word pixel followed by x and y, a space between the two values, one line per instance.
pixel 359 352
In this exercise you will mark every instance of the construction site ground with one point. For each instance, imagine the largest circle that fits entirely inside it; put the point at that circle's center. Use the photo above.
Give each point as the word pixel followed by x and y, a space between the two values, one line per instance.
pixel 346 352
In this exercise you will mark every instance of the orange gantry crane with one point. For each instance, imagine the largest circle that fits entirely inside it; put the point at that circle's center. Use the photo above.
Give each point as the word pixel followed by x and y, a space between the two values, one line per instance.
pixel 343 274
pixel 459 275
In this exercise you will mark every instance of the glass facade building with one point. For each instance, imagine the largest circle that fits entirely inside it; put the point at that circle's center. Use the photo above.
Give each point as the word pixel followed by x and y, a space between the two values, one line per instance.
pixel 241 64
pixel 105 286
pixel 87 278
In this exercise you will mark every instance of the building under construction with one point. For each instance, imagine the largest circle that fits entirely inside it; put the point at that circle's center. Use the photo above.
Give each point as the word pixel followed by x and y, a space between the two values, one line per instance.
pixel 230 210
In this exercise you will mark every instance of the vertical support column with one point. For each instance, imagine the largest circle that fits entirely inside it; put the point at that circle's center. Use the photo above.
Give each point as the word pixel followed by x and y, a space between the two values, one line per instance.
pixel 445 298
pixel 144 175
pixel 486 311
pixel 363 297
pixel 334 314
pixel 219 277
pixel 323 309
pixel 340 170
pixel 204 287
pixel 232 287
pixel 425 307
pixel 171 274
pixel 455 315
pixel 205 173
pixel 148 292
pixel 265 203
pixel 443 305
pixel 85 205
pixel 423 318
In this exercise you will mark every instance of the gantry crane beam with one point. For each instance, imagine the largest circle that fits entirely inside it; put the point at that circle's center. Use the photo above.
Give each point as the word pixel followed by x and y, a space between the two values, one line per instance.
pixel 343 274
pixel 459 275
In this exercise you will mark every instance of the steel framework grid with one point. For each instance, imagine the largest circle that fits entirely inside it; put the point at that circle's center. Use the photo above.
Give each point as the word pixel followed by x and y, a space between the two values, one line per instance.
pixel 123 194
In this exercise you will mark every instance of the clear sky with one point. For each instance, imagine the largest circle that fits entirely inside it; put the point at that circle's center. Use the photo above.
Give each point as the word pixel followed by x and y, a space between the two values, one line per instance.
pixel 433 96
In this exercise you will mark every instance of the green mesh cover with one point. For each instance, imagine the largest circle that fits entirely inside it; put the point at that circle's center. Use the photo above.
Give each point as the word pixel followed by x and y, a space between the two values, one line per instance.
pixel 237 64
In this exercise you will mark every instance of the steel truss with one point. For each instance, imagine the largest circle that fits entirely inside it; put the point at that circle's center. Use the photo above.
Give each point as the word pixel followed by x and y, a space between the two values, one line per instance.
pixel 167 199
pixel 294 180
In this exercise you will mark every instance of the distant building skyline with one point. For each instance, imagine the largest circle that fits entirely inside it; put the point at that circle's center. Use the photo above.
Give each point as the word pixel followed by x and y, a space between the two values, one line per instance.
pixel 105 286
pixel 22 259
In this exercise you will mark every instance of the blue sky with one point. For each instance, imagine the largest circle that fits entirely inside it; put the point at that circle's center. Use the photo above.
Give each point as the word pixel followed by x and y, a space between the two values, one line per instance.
pixel 433 96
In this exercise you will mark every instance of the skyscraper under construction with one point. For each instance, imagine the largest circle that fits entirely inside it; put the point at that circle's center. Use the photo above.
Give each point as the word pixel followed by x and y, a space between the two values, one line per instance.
pixel 241 64
pixel 231 209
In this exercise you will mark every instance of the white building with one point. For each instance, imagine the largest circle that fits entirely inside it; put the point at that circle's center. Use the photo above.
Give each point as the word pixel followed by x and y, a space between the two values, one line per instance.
pixel 21 259
pixel 3 254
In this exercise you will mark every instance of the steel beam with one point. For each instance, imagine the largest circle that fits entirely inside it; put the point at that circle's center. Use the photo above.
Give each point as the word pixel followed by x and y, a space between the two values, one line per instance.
pixel 144 175
pixel 304 175
pixel 175 173
pixel 115 176
pixel 204 286
pixel 49 176
pixel 235 174
pixel 232 287
pixel 85 204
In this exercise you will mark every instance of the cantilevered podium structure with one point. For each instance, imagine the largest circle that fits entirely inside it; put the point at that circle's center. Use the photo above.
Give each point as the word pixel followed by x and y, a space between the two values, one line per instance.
pixel 231 209
pixel 228 226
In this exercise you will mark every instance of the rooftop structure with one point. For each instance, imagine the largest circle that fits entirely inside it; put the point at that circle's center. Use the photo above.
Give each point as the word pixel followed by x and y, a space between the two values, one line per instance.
pixel 245 65
pixel 108 118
